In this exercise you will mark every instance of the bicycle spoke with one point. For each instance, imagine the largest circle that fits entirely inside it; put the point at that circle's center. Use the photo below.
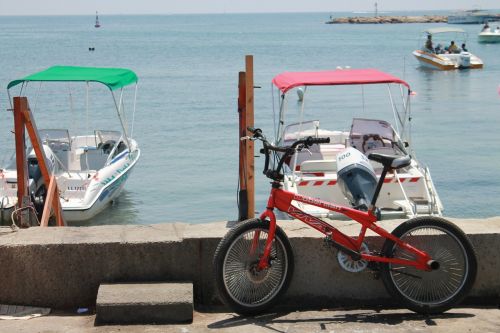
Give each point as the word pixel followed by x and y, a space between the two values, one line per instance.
pixel 430 287
pixel 245 283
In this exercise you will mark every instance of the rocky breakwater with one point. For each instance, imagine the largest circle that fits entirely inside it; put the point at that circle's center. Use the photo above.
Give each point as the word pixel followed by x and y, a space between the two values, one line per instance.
pixel 388 19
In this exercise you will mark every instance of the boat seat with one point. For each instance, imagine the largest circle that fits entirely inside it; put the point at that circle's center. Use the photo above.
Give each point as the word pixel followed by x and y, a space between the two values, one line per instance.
pixel 391 161
pixel 326 151
pixel 92 159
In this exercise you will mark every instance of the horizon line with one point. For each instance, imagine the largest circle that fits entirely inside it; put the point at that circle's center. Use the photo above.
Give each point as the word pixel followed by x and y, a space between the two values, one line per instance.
pixel 237 12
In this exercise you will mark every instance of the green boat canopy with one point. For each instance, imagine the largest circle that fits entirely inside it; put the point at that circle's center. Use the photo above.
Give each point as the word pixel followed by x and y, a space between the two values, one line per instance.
pixel 113 78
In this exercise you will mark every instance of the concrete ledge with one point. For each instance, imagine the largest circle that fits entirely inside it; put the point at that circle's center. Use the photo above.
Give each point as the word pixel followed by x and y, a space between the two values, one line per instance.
pixel 144 303
pixel 63 267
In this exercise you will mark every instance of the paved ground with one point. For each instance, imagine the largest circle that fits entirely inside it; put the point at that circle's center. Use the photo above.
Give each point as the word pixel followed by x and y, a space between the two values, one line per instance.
pixel 483 320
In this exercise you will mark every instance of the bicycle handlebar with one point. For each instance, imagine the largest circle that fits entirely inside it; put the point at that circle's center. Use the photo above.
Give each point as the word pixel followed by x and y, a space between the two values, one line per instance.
pixel 287 150
pixel 257 132
pixel 310 140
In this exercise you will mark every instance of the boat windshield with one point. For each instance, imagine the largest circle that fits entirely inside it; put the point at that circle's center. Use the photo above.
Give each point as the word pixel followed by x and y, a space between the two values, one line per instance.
pixel 298 131
pixel 58 137
pixel 101 137
pixel 369 135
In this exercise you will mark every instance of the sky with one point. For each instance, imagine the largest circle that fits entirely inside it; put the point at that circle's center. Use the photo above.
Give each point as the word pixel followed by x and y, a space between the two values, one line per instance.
pixel 109 7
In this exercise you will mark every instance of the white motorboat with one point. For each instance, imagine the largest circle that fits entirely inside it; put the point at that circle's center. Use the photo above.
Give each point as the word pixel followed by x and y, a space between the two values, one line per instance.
pixel 91 169
pixel 487 35
pixel 405 193
pixel 472 16
pixel 436 54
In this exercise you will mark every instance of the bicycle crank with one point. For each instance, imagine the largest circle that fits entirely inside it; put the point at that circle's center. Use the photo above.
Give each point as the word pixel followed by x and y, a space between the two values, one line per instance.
pixel 348 264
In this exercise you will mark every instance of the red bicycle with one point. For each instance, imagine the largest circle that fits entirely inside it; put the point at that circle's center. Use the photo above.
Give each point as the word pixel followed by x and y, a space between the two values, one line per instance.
pixel 427 263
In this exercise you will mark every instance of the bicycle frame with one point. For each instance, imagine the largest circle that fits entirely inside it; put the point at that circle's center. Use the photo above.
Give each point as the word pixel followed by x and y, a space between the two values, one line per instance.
pixel 282 200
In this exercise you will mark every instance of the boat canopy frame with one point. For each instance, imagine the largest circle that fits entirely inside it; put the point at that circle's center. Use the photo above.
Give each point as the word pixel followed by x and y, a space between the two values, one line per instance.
pixel 459 35
pixel 286 81
pixel 113 78
pixel 440 30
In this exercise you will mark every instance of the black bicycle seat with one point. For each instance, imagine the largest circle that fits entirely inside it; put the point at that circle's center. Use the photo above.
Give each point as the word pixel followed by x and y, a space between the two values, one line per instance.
pixel 391 161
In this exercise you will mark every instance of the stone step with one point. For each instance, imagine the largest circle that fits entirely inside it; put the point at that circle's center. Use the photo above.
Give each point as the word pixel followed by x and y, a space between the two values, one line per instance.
pixel 144 303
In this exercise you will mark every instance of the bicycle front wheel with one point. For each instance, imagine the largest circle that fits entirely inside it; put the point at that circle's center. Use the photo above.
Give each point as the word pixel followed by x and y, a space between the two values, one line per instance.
pixel 242 286
pixel 438 290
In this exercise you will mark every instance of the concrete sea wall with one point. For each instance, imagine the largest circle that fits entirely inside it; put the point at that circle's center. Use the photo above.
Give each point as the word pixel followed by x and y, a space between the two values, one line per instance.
pixel 63 267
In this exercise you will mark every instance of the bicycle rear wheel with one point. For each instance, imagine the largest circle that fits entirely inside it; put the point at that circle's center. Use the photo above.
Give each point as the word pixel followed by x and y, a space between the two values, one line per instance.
pixel 437 290
pixel 241 285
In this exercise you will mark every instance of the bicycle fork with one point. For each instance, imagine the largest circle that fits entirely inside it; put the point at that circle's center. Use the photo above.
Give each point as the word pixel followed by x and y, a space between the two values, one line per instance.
pixel 264 259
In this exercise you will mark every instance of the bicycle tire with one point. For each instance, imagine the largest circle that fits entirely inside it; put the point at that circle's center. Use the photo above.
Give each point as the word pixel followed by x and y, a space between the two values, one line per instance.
pixel 430 292
pixel 243 289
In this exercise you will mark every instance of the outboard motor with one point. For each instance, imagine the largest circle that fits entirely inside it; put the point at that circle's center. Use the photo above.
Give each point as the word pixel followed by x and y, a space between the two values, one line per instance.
pixel 37 185
pixel 34 171
pixel 464 60
pixel 356 177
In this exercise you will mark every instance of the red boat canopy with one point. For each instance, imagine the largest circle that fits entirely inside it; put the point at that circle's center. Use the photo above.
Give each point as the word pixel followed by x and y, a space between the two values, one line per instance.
pixel 288 80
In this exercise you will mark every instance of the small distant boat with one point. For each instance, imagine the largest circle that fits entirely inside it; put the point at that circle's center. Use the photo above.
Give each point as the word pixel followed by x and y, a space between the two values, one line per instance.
pixel 97 24
pixel 442 58
pixel 473 16
pixel 489 36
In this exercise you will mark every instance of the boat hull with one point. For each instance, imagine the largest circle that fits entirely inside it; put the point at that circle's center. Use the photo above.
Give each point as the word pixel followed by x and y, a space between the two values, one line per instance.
pixel 405 193
pixel 391 201
pixel 489 37
pixel 81 197
pixel 109 186
pixel 446 62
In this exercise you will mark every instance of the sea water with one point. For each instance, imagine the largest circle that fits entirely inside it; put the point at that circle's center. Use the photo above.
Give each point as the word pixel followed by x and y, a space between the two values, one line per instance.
pixel 186 121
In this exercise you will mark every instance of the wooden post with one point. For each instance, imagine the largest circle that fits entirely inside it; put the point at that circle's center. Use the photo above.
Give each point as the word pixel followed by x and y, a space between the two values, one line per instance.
pixel 36 143
pixel 51 192
pixel 242 131
pixel 23 118
pixel 20 104
pixel 249 116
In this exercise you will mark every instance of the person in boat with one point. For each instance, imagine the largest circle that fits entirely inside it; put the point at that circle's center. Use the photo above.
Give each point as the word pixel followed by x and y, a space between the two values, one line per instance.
pixel 464 48
pixel 428 43
pixel 453 48
pixel 486 27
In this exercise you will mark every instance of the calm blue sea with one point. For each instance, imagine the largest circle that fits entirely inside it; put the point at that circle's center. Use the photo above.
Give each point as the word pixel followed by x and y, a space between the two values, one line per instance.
pixel 186 121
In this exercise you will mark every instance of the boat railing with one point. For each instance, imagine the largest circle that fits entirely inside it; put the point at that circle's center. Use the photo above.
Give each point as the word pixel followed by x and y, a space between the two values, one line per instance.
pixel 435 208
